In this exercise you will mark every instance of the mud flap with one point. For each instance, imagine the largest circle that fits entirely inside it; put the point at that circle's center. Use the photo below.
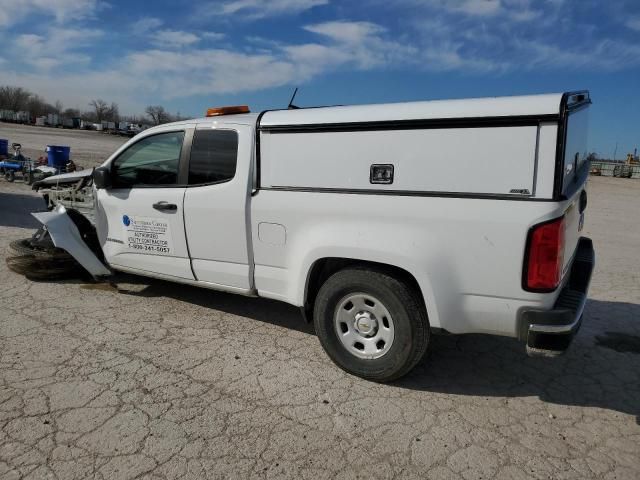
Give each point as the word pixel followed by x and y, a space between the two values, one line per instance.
pixel 65 235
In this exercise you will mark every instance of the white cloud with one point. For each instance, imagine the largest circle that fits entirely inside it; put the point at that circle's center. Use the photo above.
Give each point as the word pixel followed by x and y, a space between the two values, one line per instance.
pixel 459 36
pixel 212 35
pixel 160 72
pixel 516 10
pixel 607 55
pixel 209 71
pixel 56 47
pixel 475 7
pixel 173 39
pixel 633 23
pixel 467 7
pixel 360 45
pixel 149 28
pixel 12 11
pixel 348 32
pixel 145 25
pixel 265 8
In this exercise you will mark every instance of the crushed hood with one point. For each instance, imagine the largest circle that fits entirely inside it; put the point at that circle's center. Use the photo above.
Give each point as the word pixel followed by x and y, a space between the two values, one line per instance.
pixel 65 178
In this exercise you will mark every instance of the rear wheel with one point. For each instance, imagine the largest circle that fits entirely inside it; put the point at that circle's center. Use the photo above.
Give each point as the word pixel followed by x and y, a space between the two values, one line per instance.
pixel 371 324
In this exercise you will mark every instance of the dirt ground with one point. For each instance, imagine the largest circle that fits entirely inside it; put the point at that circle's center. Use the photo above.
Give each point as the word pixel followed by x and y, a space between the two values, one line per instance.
pixel 160 381
pixel 88 148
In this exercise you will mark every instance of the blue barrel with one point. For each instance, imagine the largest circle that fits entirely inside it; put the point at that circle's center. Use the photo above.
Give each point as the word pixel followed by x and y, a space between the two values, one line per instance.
pixel 4 148
pixel 57 156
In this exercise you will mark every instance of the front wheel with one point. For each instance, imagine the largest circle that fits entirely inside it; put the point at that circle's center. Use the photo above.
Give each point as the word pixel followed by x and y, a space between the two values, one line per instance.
pixel 371 324
pixel 9 176
pixel 38 259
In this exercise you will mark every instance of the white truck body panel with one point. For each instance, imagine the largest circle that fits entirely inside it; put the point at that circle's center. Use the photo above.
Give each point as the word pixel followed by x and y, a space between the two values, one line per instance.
pixel 438 160
pixel 547 104
pixel 465 254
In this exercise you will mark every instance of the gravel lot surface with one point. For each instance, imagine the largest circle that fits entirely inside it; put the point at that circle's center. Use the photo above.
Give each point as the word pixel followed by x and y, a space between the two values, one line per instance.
pixel 161 381
pixel 88 148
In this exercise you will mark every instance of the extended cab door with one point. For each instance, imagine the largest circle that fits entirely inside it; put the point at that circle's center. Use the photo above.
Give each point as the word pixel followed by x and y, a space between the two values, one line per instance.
pixel 216 205
pixel 140 218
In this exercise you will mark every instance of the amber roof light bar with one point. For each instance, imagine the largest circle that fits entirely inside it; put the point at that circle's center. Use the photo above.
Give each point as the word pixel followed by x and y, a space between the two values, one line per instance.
pixel 215 112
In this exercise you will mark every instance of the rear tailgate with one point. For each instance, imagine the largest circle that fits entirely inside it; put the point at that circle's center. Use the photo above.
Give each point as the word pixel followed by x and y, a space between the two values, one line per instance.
pixel 574 175
pixel 574 221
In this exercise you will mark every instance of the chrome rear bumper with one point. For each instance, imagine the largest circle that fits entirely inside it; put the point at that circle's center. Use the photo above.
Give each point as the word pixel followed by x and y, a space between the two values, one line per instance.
pixel 549 332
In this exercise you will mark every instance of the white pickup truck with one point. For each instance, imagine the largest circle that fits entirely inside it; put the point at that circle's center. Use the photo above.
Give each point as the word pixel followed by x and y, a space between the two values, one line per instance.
pixel 383 223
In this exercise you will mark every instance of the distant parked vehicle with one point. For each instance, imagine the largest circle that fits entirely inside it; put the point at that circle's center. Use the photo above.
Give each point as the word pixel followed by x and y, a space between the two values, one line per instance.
pixel 133 130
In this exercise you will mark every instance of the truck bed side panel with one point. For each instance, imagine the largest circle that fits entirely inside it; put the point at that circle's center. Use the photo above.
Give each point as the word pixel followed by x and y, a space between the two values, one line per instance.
pixel 466 254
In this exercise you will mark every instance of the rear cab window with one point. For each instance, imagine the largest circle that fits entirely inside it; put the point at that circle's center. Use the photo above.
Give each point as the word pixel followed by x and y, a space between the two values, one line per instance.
pixel 214 155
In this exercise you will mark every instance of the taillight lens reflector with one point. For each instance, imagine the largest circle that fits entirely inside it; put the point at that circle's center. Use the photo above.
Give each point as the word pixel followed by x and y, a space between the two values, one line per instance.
pixel 545 256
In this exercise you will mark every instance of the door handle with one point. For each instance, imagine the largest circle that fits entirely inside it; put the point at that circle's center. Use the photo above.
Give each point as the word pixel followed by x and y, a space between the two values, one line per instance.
pixel 165 207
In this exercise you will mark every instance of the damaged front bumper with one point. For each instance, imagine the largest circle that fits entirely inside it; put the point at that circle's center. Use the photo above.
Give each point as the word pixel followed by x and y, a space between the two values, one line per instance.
pixel 65 235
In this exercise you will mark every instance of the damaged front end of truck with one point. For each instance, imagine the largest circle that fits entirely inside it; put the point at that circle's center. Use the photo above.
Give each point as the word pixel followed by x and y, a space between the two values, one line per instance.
pixel 66 244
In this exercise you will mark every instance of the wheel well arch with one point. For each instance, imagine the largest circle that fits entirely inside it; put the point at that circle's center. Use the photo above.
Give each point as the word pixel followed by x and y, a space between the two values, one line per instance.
pixel 323 268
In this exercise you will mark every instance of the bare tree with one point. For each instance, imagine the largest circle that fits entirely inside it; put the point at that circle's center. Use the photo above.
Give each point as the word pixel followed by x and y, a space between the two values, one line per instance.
pixel 101 108
pixel 38 106
pixel 20 99
pixel 14 98
pixel 157 114
pixel 71 113
pixel 113 113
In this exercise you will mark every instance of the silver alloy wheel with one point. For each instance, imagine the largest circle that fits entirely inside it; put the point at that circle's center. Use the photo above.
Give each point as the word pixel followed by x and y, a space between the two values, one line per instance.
pixel 364 325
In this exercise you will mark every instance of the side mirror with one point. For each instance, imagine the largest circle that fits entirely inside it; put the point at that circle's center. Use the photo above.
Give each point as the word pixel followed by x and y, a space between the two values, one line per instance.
pixel 102 177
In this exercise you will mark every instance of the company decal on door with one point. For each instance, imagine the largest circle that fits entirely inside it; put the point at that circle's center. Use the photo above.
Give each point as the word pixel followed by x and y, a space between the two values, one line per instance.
pixel 147 234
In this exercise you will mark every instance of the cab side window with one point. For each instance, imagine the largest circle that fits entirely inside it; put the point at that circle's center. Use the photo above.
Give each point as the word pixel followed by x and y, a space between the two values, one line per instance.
pixel 152 161
pixel 214 155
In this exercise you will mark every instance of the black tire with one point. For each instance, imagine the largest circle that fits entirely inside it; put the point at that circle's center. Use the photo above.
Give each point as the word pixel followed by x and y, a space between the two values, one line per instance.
pixel 41 264
pixel 27 177
pixel 410 323
pixel 9 175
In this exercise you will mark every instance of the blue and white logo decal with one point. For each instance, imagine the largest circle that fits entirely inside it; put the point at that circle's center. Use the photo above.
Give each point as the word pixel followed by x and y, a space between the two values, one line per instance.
pixel 126 220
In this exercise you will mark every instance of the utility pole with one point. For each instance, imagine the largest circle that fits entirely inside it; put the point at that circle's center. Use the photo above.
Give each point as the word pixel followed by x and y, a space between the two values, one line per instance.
pixel 615 151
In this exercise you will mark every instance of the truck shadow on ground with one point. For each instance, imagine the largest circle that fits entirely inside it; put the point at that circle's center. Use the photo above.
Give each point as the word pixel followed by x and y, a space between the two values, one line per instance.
pixel 15 209
pixel 601 368
pixel 261 309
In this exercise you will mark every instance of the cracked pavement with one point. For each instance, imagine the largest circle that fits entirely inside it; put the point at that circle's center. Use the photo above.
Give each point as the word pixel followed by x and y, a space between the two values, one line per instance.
pixel 161 381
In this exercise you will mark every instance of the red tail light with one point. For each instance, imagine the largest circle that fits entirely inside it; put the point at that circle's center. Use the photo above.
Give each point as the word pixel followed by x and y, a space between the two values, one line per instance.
pixel 543 263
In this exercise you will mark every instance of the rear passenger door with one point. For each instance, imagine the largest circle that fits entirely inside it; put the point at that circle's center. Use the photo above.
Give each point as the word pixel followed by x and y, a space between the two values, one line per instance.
pixel 215 206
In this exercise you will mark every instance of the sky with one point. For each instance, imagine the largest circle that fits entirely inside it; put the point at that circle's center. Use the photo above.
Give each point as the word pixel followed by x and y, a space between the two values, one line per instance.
pixel 190 55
